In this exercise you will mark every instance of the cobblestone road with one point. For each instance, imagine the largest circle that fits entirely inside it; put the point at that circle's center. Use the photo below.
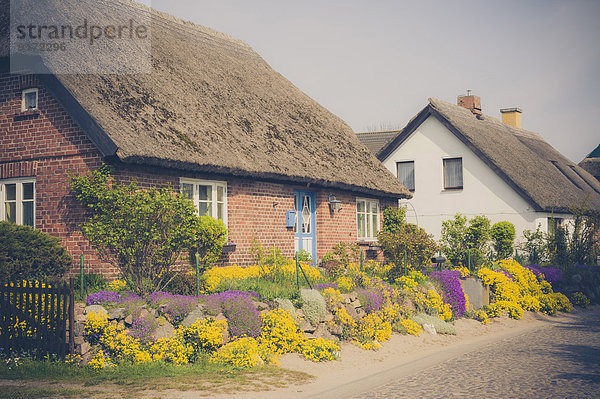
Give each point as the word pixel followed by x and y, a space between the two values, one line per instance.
pixel 559 360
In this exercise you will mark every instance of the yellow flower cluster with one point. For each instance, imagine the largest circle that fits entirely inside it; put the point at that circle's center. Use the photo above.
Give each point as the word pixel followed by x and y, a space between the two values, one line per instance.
pixel 117 285
pixel 410 327
pixel 464 272
pixel 435 304
pixel 280 332
pixel 345 283
pixel 241 353
pixel 522 292
pixel 205 335
pixel 214 276
pixel 319 349
pixel 372 330
pixel 98 361
pixel 406 283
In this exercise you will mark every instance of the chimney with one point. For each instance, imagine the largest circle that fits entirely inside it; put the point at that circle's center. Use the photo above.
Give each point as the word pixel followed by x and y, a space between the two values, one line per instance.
pixel 511 116
pixel 470 102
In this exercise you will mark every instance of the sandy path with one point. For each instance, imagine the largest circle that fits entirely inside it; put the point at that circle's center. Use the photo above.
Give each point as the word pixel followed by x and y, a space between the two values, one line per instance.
pixel 358 370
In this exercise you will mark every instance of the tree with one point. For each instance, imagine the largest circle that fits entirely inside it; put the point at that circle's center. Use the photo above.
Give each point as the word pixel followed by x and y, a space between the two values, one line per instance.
pixel 461 240
pixel 503 233
pixel 142 232
pixel 535 245
pixel 212 235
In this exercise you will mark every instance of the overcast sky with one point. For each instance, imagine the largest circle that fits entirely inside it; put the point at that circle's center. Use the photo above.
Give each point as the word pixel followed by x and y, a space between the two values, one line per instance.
pixel 375 63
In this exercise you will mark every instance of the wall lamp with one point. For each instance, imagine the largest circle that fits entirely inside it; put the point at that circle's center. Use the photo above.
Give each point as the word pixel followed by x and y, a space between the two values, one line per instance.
pixel 334 204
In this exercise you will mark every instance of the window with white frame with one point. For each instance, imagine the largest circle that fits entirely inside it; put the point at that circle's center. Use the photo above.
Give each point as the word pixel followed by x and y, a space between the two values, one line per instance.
pixel 209 197
pixel 29 99
pixel 367 219
pixel 453 174
pixel 406 174
pixel 17 201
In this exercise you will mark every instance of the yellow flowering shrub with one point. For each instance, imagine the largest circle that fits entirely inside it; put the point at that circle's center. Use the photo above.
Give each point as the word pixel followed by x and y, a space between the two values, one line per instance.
pixel 319 349
pixel 280 332
pixel 434 303
pixel 522 292
pixel 171 350
pixel 407 326
pixel 95 325
pixel 205 335
pixel 117 285
pixel 464 272
pixel 372 328
pixel 241 353
pixel 333 298
pixel 482 316
pixel 406 283
pixel 345 283
pixel 98 361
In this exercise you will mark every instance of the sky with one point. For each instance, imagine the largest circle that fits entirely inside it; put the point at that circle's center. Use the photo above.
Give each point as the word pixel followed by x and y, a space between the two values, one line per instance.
pixel 375 63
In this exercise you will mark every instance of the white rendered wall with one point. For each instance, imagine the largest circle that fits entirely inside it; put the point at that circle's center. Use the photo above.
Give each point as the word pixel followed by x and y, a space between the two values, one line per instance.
pixel 483 193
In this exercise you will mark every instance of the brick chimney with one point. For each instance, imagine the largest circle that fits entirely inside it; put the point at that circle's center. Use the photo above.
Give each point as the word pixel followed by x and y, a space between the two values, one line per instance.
pixel 470 102
pixel 511 116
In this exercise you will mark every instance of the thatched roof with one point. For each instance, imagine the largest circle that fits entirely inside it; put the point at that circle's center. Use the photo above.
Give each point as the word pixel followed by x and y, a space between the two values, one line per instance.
pixel 591 163
pixel 212 104
pixel 540 174
pixel 376 140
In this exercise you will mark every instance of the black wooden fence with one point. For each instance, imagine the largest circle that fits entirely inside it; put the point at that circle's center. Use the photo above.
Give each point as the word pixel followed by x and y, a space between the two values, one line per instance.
pixel 37 318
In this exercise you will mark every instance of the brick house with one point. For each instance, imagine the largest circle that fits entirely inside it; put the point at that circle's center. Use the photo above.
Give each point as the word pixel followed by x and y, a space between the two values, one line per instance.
pixel 212 120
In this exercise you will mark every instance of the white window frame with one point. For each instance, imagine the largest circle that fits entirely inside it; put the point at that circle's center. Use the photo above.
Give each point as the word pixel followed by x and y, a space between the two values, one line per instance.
pixel 37 99
pixel 413 173
pixel 214 184
pixel 18 199
pixel 462 174
pixel 370 235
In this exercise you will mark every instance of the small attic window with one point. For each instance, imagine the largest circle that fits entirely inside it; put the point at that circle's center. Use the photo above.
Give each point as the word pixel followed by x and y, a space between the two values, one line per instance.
pixel 29 100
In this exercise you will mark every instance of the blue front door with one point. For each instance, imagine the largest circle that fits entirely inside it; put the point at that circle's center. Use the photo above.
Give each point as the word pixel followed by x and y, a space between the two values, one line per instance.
pixel 305 236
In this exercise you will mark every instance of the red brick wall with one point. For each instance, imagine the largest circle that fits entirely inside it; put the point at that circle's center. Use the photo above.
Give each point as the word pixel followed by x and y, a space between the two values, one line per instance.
pixel 50 146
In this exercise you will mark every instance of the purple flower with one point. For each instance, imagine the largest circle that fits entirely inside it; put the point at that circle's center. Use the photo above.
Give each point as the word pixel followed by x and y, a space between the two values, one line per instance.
pixel 102 297
pixel 535 270
pixel 370 300
pixel 142 329
pixel 553 275
pixel 175 307
pixel 241 313
pixel 324 286
pixel 453 292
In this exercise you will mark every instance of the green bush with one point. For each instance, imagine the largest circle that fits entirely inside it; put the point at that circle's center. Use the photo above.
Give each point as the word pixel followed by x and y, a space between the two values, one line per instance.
pixel 28 254
pixel 212 235
pixel 503 234
pixel 441 326
pixel 142 232
pixel 393 219
pixel 535 246
pixel 461 240
pixel 419 247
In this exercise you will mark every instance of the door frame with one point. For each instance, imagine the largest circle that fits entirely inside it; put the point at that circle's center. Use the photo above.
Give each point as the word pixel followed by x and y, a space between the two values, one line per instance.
pixel 298 197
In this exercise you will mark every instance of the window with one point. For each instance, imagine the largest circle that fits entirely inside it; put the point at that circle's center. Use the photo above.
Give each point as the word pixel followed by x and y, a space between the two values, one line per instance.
pixel 453 174
pixel 210 197
pixel 367 219
pixel 17 201
pixel 29 100
pixel 406 174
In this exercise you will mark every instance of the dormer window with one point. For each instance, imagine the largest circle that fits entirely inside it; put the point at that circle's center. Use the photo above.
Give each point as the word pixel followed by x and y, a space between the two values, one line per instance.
pixel 29 100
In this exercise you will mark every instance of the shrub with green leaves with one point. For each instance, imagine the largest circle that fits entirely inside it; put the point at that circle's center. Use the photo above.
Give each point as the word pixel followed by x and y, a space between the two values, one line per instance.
pixel 29 254
pixel 212 235
pixel 441 326
pixel 503 234
pixel 393 219
pixel 418 245
pixel 463 238
pixel 142 232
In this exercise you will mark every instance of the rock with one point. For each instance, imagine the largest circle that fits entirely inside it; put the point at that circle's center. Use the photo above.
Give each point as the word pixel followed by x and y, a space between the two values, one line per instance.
pixel 260 305
pixel 429 329
pixel 353 296
pixel 407 306
pixel 300 314
pixel 329 316
pixel 360 312
pixel 95 308
pixel 220 316
pixel 226 336
pixel 194 315
pixel 286 305
pixel 79 317
pixel 346 298
pixel 78 328
pixel 356 304
pixel 84 348
pixel 117 313
pixel 129 320
pixel 336 329
pixel 78 340
pixel 322 332
pixel 164 331
pixel 144 313
pixel 306 326
pixel 351 311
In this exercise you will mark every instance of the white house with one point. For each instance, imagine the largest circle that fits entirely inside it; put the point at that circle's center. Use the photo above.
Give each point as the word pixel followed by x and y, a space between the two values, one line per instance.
pixel 456 159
